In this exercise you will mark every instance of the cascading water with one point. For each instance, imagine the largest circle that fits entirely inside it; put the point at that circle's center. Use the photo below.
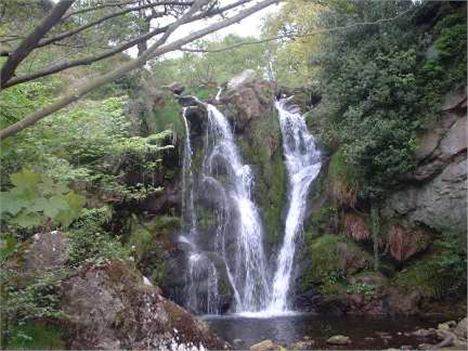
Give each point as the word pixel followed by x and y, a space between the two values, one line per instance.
pixel 303 164
pixel 202 276
pixel 240 227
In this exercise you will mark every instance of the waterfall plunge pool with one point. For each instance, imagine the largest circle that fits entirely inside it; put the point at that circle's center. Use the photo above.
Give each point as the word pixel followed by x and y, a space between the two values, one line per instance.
pixel 371 333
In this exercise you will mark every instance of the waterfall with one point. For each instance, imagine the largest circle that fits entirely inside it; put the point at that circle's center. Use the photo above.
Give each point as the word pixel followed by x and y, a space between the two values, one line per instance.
pixel 240 227
pixel 202 276
pixel 303 164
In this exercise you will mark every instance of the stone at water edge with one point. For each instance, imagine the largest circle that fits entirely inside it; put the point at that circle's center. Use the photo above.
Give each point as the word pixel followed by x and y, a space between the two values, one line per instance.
pixel 303 345
pixel 461 329
pixel 339 340
pixel 237 342
pixel 446 325
pixel 265 345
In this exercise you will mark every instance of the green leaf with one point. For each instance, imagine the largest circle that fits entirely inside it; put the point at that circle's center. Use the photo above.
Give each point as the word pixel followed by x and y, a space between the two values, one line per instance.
pixel 10 203
pixel 27 219
pixel 25 179
pixel 75 205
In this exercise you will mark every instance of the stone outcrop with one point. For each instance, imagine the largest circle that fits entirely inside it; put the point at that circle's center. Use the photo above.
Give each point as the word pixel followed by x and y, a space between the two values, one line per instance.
pixel 437 198
pixel 250 97
pixel 110 307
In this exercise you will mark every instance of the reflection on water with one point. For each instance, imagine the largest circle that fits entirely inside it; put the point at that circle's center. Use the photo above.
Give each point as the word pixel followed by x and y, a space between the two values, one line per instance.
pixel 365 332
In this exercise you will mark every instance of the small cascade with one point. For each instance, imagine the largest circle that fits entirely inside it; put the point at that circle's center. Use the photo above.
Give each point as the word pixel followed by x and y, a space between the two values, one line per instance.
pixel 202 294
pixel 202 276
pixel 303 164
pixel 239 225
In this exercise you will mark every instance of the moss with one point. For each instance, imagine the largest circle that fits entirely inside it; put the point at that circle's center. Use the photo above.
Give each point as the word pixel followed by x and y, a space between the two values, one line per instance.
pixel 334 258
pixel 438 274
pixel 36 336
pixel 261 147
pixel 148 242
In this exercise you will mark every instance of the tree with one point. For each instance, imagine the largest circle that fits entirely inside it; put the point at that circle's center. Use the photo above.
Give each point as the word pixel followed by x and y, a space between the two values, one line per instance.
pixel 197 10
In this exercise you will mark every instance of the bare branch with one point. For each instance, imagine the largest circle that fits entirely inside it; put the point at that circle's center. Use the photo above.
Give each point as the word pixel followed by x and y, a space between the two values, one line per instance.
pixel 293 36
pixel 118 49
pixel 97 7
pixel 30 42
pixel 154 50
pixel 105 18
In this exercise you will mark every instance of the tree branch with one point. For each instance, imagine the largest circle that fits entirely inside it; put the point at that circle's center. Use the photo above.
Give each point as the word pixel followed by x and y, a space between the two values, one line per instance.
pixel 118 49
pixel 153 51
pixel 105 18
pixel 30 42
pixel 293 36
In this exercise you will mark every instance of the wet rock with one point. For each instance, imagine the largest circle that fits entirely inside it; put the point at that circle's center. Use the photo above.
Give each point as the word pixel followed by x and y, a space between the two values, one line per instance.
pixel 237 342
pixel 425 346
pixel 187 101
pixel 461 329
pixel 265 345
pixel 176 87
pixel 425 333
pixel 109 307
pixel 446 325
pixel 303 345
pixel 339 340
pixel 406 347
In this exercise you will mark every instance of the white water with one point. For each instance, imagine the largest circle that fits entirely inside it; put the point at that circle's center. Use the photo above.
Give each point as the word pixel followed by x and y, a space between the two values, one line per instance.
pixel 303 165
pixel 202 285
pixel 245 263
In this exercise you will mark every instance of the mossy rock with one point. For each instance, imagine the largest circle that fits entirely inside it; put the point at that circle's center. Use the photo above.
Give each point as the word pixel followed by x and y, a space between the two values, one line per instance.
pixel 334 259
pixel 434 276
pixel 260 147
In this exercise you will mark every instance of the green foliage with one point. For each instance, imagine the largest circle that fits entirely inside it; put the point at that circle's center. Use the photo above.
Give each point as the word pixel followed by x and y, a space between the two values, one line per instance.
pixel 441 273
pixel 213 67
pixel 88 241
pixel 382 85
pixel 38 299
pixel 35 336
pixel 361 288
pixel 35 199
pixel 328 270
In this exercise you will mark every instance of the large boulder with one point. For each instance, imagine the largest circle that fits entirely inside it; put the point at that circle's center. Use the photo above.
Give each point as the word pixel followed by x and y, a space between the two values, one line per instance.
pixel 249 97
pixel 110 307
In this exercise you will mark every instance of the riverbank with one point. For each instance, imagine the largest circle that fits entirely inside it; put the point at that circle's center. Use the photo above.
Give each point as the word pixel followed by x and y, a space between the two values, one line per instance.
pixel 311 331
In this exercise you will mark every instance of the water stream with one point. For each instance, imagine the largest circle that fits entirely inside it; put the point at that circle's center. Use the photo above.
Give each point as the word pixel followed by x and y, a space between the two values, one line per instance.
pixel 303 164
pixel 245 260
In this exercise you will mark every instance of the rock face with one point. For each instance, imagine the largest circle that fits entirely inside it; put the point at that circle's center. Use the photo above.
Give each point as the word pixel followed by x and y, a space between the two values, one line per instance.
pixel 110 307
pixel 438 199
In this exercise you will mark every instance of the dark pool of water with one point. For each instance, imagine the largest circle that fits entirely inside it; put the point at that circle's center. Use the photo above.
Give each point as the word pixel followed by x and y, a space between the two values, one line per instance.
pixel 365 332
